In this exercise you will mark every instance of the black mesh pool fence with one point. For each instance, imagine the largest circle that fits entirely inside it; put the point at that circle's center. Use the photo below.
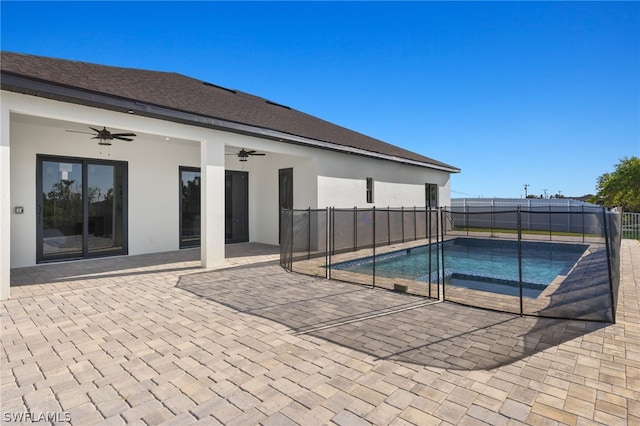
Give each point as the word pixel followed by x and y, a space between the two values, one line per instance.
pixel 535 261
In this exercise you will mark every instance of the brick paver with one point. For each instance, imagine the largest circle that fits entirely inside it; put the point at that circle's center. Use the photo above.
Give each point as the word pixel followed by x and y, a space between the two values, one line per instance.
pixel 155 339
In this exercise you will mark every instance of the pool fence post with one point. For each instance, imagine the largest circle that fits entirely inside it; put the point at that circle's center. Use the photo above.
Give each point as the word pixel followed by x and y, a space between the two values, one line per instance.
pixel 466 218
pixel 520 259
pixel 438 253
pixel 355 228
pixel 582 215
pixel 327 270
pixel 292 241
pixel 388 226
pixel 333 232
pixel 492 201
pixel 442 252
pixel 569 216
pixel 415 224
pixel 309 234
pixel 284 249
pixel 373 284
pixel 428 230
pixel 402 218
pixel 330 224
pixel 550 222
pixel 608 246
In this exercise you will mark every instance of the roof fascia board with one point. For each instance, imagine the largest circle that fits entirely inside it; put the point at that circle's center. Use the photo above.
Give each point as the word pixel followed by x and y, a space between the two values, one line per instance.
pixel 20 84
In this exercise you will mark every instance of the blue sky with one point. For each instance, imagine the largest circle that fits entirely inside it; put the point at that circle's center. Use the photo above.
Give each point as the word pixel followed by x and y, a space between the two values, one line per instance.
pixel 538 93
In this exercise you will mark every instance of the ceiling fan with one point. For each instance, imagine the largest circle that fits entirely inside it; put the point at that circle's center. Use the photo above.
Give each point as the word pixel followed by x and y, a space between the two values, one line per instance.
pixel 105 137
pixel 243 154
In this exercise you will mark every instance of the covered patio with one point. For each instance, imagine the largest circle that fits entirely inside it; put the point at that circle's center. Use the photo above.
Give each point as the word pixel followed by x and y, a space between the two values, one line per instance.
pixel 74 275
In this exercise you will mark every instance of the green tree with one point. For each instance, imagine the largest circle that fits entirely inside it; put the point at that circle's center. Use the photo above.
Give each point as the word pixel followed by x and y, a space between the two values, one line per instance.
pixel 621 187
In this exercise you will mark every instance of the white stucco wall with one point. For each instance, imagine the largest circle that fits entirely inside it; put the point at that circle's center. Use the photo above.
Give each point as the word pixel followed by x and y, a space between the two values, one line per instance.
pixel 324 178
pixel 321 178
pixel 263 180
pixel 342 182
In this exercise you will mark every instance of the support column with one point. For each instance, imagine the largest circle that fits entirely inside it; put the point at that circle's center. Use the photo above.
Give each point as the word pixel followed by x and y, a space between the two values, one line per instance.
pixel 5 204
pixel 212 203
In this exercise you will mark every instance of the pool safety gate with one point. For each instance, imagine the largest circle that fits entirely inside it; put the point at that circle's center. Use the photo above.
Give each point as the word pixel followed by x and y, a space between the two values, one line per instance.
pixel 319 242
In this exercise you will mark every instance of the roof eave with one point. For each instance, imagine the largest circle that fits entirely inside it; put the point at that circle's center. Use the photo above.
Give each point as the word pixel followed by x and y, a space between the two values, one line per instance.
pixel 44 89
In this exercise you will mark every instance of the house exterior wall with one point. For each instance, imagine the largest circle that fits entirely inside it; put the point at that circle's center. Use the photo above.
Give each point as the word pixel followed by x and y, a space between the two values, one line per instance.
pixel 342 182
pixel 153 190
pixel 37 126
pixel 322 178
pixel 263 179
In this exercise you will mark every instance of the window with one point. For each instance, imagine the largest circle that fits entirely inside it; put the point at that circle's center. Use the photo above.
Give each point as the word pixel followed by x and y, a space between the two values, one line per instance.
pixel 369 190
pixel 431 195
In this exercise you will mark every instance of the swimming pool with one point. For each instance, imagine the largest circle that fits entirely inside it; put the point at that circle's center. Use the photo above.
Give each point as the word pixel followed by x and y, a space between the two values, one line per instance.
pixel 480 264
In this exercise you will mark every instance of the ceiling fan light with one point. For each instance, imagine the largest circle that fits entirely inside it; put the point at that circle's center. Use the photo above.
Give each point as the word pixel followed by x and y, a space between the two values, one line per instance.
pixel 243 159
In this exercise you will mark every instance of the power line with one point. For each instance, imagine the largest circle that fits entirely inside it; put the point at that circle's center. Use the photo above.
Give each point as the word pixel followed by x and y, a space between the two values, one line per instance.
pixel 463 193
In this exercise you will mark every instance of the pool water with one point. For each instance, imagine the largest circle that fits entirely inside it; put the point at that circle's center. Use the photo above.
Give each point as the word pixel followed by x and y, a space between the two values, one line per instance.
pixel 482 264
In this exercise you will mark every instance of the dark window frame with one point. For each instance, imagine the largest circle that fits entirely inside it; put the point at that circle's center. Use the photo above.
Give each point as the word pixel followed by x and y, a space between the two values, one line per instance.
pixel 285 195
pixel 370 193
pixel 431 195
pixel 182 243
pixel 238 234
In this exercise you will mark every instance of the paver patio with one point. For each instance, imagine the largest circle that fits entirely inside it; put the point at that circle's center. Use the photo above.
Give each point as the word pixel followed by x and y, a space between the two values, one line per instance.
pixel 156 339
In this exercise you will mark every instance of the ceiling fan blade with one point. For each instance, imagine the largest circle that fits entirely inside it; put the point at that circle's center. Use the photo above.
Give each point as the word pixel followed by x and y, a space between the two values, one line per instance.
pixel 76 131
pixel 95 130
pixel 122 138
pixel 250 152
pixel 123 134
pixel 258 153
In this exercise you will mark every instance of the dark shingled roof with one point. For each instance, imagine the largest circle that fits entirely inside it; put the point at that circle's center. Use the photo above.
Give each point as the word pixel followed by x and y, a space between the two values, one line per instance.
pixel 176 92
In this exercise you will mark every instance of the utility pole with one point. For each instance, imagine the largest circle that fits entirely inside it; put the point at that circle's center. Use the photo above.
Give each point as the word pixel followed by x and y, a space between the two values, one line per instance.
pixel 526 185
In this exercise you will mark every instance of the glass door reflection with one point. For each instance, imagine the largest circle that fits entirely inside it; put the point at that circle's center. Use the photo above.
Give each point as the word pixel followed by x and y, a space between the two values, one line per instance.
pixel 189 207
pixel 104 197
pixel 61 208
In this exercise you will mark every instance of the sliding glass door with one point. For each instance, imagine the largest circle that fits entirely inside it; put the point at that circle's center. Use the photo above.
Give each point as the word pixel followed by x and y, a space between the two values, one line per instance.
pixel 61 209
pixel 189 207
pixel 105 204
pixel 236 206
pixel 81 208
